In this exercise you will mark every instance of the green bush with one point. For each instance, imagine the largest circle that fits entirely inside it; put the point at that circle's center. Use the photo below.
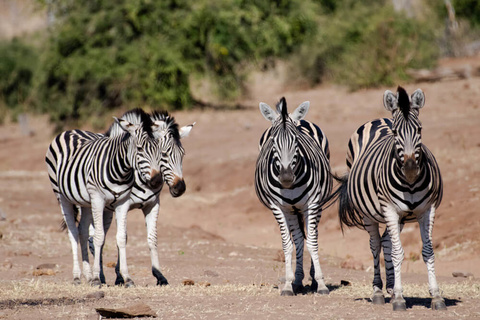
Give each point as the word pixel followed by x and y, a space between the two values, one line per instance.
pixel 17 69
pixel 368 44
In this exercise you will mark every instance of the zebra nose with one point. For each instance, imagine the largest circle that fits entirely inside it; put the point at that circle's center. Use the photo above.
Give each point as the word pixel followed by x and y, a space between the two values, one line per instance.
pixel 286 177
pixel 410 169
pixel 177 188
pixel 156 179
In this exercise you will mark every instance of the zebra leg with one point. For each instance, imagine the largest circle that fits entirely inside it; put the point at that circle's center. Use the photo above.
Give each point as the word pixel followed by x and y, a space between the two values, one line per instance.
pixel 107 221
pixel 68 211
pixel 312 218
pixel 393 228
pixel 121 217
pixel 287 246
pixel 151 215
pixel 296 233
pixel 85 222
pixel 375 247
pixel 98 205
pixel 387 254
pixel 425 222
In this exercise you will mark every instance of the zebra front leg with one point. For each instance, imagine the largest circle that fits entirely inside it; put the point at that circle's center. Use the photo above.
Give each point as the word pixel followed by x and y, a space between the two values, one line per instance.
pixel 312 218
pixel 426 225
pixel 121 217
pixel 83 230
pixel 68 211
pixel 98 205
pixel 151 215
pixel 375 248
pixel 393 228
pixel 287 246
pixel 107 221
pixel 387 255
pixel 296 231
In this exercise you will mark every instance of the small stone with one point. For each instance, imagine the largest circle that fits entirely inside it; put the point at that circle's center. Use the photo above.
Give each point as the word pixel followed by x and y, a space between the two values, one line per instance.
pixel 46 266
pixel 95 295
pixel 43 272
pixel 462 274
pixel 345 283
pixel 188 282
pixel 211 273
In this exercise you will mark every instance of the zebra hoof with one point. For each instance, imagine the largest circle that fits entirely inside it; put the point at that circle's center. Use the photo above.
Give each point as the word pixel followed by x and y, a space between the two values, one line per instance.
pixel 298 288
pixel 399 305
pixel 438 304
pixel 287 293
pixel 129 283
pixel 77 282
pixel 162 282
pixel 378 298
pixel 96 283
pixel 323 291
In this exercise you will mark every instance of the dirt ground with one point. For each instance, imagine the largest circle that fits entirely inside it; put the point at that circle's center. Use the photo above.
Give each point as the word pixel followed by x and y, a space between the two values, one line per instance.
pixel 219 235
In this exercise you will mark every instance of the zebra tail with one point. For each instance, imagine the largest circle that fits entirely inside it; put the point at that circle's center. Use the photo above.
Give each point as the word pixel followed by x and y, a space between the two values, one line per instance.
pixel 63 224
pixel 346 212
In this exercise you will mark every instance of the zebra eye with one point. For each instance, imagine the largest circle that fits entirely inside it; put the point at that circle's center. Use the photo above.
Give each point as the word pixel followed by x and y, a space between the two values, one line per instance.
pixel 139 149
pixel 164 154
pixel 419 130
pixel 394 131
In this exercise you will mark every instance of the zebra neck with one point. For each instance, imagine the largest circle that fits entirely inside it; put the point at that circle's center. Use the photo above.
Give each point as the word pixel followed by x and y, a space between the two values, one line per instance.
pixel 122 158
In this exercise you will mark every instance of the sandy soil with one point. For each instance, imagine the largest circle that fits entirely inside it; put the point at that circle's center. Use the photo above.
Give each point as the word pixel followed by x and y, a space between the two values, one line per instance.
pixel 222 238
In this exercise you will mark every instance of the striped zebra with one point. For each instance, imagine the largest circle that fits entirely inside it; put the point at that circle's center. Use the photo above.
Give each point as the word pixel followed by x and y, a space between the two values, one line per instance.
pixel 97 173
pixel 144 194
pixel 292 178
pixel 393 179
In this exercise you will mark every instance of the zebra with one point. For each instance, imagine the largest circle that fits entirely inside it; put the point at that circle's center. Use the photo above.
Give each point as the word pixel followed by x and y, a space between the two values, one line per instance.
pixel 97 173
pixel 145 195
pixel 292 178
pixel 392 179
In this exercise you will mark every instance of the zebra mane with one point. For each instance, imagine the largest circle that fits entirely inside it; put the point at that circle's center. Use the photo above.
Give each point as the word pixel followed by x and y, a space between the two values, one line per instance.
pixel 283 111
pixel 170 123
pixel 134 116
pixel 403 102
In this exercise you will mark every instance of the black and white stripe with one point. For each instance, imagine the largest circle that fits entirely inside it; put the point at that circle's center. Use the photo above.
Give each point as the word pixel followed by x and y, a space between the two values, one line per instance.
pixel 393 179
pixel 292 178
pixel 145 194
pixel 97 173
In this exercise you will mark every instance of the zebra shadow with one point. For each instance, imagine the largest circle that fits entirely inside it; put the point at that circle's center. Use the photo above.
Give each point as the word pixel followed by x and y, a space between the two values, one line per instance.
pixel 309 289
pixel 423 302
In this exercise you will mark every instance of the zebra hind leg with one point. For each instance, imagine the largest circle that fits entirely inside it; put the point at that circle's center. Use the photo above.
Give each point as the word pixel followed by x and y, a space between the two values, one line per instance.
pixel 295 223
pixel 375 248
pixel 312 219
pixel 68 211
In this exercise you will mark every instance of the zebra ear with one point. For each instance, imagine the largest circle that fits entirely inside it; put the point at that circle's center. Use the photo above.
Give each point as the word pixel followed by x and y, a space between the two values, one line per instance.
pixel 126 125
pixel 185 131
pixel 390 101
pixel 301 111
pixel 418 99
pixel 158 127
pixel 267 112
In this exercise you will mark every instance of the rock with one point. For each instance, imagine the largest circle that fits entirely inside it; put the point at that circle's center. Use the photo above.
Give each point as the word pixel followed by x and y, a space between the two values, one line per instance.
pixel 188 282
pixel 137 310
pixel 462 274
pixel 345 283
pixel 43 272
pixel 95 295
pixel 46 266
pixel 211 273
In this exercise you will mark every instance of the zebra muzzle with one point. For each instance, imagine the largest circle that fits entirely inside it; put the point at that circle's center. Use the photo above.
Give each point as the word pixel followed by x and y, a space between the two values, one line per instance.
pixel 286 177
pixel 410 169
pixel 156 179
pixel 177 188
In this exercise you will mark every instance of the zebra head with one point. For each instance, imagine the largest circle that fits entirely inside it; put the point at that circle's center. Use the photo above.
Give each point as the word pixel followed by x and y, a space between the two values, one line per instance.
pixel 144 147
pixel 406 129
pixel 166 131
pixel 284 137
